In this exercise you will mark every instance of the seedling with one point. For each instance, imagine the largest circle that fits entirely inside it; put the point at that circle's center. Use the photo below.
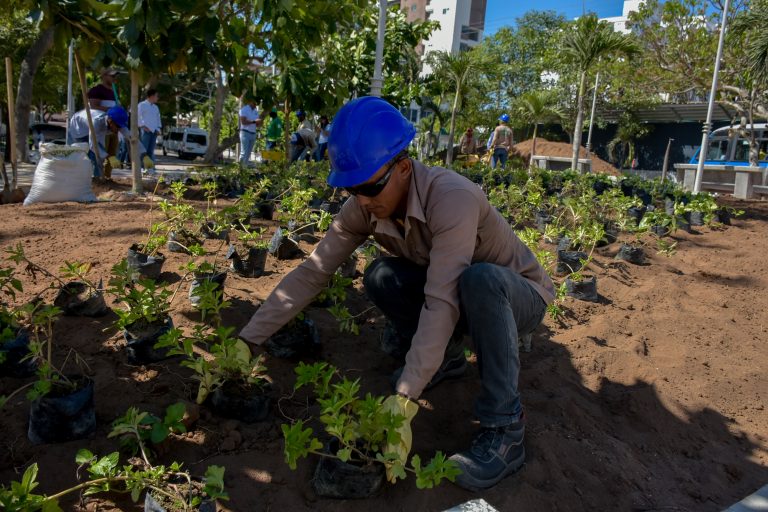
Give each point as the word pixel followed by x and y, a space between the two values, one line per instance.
pixel 361 426
pixel 232 361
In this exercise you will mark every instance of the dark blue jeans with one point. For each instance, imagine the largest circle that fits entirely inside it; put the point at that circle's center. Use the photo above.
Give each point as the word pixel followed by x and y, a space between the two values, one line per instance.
pixel 499 156
pixel 149 139
pixel 497 306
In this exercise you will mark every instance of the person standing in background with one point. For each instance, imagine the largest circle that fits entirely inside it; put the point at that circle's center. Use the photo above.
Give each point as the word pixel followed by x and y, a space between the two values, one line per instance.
pixel 501 143
pixel 249 122
pixel 274 129
pixel 149 123
pixel 324 131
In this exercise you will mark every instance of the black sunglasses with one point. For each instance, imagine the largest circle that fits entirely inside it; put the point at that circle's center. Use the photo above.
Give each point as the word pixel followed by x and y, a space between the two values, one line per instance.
pixel 373 189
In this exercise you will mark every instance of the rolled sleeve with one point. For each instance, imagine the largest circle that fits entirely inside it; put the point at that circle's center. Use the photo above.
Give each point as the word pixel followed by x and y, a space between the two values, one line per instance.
pixel 297 289
pixel 454 220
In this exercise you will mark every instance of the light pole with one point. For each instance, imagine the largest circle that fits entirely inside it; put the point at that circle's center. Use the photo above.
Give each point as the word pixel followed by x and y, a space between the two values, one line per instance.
pixel 377 81
pixel 708 124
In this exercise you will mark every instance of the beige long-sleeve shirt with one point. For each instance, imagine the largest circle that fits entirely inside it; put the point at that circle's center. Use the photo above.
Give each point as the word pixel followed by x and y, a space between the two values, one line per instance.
pixel 502 137
pixel 449 225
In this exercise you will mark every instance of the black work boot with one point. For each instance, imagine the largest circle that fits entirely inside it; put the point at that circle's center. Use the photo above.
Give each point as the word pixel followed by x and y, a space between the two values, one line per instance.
pixel 494 454
pixel 454 363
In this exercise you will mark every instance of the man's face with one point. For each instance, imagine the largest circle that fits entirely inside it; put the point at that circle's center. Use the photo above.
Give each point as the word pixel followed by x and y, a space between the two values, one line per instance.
pixel 107 79
pixel 385 203
pixel 154 98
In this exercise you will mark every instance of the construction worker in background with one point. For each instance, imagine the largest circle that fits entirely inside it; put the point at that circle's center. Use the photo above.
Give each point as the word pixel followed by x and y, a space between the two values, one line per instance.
pixel 501 144
pixel 456 268
pixel 114 120
pixel 102 97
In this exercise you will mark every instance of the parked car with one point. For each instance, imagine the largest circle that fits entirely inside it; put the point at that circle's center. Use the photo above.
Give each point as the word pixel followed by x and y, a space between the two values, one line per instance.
pixel 47 132
pixel 727 146
pixel 187 143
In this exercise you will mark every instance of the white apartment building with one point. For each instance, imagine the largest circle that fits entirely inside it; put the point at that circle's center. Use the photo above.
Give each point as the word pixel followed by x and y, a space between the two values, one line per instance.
pixel 620 22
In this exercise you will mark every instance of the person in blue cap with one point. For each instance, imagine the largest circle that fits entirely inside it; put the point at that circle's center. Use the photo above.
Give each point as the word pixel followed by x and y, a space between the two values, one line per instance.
pixel 114 120
pixel 501 142
pixel 456 268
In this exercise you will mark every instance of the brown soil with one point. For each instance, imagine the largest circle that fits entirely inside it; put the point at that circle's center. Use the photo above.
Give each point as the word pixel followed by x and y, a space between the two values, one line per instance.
pixel 548 148
pixel 652 399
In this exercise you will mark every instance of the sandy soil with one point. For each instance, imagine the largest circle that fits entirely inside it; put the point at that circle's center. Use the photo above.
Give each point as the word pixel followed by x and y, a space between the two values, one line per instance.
pixel 652 399
pixel 549 148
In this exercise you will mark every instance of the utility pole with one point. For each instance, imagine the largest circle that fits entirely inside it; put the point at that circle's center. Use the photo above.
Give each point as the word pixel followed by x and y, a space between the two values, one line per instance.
pixel 377 82
pixel 708 124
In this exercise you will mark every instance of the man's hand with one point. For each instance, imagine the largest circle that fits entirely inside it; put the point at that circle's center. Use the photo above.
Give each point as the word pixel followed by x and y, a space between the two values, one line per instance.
pixel 401 406
pixel 148 163
pixel 114 162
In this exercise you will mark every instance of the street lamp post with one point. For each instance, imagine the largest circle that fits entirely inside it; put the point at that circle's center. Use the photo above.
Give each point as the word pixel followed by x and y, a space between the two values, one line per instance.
pixel 708 124
pixel 377 82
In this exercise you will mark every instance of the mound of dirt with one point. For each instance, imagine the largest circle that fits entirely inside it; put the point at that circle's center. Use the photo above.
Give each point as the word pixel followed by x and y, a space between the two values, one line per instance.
pixel 549 148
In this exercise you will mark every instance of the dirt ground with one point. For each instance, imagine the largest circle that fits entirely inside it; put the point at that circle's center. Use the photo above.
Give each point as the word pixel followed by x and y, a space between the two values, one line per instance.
pixel 652 399
pixel 563 149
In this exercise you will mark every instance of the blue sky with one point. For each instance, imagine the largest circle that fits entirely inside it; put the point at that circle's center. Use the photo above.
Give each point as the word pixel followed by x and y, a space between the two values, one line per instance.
pixel 504 12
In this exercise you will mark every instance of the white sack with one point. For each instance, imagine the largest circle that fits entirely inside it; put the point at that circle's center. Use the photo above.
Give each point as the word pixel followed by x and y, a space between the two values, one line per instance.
pixel 63 174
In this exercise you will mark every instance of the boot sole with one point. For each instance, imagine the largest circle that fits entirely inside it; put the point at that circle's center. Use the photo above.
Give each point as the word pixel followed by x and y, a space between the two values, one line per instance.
pixel 473 484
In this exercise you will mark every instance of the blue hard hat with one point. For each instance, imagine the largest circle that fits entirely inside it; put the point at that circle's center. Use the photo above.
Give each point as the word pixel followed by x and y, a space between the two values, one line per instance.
pixel 367 133
pixel 504 118
pixel 118 115
pixel 300 113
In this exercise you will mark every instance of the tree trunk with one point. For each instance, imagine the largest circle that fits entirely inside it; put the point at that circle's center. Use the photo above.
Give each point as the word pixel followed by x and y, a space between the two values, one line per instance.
pixel 29 65
pixel 533 146
pixel 449 152
pixel 213 138
pixel 138 186
pixel 579 122
pixel 287 130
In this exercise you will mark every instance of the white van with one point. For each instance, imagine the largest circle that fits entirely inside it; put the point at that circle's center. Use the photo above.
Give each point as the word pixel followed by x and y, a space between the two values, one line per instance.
pixel 187 143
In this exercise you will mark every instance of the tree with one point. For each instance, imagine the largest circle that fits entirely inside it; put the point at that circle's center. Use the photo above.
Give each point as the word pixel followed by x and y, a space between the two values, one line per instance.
pixel 523 55
pixel 588 41
pixel 459 71
pixel 537 107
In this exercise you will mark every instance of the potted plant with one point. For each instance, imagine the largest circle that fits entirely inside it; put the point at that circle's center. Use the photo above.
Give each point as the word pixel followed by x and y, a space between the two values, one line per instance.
pixel 207 280
pixel 657 222
pixel 145 316
pixel 702 209
pixel 233 381
pixel 252 257
pixel 168 488
pixel 79 297
pixel 582 287
pixel 14 338
pixel 179 216
pixel 358 432
pixel 145 260
pixel 62 406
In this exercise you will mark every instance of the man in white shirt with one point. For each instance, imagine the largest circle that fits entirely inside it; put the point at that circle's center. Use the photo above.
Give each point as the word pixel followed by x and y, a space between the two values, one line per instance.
pixel 149 123
pixel 249 123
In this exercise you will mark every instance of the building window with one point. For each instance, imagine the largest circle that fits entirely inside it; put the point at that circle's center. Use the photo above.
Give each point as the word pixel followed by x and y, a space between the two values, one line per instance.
pixel 469 33
pixel 445 11
pixel 413 8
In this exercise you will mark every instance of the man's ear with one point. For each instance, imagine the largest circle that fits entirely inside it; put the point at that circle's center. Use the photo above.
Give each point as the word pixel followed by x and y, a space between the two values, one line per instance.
pixel 405 168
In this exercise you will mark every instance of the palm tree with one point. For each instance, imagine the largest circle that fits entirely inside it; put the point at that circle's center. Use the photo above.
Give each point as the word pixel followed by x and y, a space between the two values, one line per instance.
pixel 589 40
pixel 538 107
pixel 755 20
pixel 459 71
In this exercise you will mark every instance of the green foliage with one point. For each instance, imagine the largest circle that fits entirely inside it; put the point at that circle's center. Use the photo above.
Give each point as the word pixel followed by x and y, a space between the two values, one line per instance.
pixel 361 425
pixel 232 361
pixel 146 301
pixel 136 428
